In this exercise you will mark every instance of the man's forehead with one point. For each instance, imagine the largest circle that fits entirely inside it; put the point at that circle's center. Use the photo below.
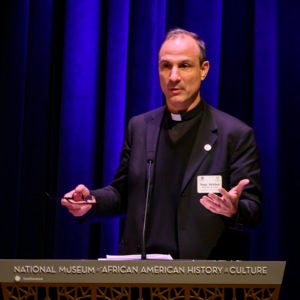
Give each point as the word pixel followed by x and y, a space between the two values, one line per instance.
pixel 181 45
pixel 172 58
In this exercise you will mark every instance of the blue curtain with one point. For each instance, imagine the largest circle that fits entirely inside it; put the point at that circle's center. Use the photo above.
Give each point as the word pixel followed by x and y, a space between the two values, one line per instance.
pixel 73 72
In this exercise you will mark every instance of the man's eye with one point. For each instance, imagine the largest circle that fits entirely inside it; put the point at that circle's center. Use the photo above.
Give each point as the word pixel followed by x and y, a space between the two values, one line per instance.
pixel 165 66
pixel 184 66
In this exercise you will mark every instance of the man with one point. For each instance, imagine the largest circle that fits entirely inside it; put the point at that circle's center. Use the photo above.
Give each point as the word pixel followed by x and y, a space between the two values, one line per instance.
pixel 197 167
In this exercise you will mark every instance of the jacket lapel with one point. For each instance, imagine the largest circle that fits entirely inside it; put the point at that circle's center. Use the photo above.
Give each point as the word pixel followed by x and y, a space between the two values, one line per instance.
pixel 205 140
pixel 153 128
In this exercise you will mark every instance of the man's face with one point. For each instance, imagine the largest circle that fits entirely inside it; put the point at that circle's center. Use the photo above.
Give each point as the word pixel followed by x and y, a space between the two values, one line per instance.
pixel 180 72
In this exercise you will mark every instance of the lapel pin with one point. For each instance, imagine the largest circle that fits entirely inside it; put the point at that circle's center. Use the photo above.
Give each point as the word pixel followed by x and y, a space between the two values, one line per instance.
pixel 207 147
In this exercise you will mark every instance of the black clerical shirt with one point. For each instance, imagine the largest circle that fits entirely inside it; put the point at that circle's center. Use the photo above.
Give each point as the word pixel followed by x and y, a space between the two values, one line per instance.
pixel 175 143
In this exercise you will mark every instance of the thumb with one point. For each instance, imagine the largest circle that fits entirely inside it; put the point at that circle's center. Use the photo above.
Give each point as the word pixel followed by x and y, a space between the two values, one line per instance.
pixel 241 185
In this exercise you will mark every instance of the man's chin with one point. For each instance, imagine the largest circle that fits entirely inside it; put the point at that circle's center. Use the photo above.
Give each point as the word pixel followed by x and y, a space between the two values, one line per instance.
pixel 176 103
pixel 176 99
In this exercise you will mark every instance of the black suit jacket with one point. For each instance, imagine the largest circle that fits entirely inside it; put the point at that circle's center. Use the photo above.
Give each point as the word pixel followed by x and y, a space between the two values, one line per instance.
pixel 201 234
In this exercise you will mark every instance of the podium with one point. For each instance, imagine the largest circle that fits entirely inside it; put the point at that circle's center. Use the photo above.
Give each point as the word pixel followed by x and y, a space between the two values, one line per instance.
pixel 140 279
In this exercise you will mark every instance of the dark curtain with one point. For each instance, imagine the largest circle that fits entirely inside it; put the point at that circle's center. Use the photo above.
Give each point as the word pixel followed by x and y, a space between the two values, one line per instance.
pixel 73 72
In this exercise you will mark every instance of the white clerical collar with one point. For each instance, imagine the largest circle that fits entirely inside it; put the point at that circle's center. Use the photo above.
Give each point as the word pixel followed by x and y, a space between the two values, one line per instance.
pixel 176 117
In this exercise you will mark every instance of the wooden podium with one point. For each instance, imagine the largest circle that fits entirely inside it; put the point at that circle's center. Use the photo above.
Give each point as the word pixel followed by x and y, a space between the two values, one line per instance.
pixel 140 279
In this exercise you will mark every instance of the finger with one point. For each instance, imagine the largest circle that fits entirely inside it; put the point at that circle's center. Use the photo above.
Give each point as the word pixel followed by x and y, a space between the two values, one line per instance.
pixel 77 196
pixel 82 190
pixel 66 196
pixel 206 203
pixel 64 202
pixel 78 193
pixel 210 202
pixel 241 185
pixel 215 200
pixel 69 194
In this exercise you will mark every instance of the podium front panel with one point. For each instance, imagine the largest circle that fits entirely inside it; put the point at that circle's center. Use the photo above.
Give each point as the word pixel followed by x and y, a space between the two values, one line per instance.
pixel 177 279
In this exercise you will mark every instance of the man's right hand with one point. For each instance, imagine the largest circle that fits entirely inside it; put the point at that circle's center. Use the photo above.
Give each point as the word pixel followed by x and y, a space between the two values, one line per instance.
pixel 76 201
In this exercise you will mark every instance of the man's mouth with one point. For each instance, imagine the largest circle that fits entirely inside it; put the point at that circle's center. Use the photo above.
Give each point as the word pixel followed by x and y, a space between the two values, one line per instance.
pixel 175 91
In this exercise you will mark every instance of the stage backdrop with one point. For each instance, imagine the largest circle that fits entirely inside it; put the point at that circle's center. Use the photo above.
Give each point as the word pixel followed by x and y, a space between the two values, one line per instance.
pixel 72 74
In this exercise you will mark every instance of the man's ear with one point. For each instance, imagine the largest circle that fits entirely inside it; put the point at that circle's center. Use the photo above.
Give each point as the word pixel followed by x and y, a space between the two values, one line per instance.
pixel 204 69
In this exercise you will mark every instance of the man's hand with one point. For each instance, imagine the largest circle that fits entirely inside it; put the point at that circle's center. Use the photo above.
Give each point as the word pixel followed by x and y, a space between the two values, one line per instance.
pixel 227 204
pixel 76 201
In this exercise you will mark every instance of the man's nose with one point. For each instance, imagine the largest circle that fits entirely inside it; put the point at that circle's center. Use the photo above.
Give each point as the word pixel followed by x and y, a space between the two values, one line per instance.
pixel 174 74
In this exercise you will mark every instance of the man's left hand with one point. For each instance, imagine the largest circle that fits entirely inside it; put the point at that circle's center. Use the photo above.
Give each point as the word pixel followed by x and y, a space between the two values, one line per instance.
pixel 227 203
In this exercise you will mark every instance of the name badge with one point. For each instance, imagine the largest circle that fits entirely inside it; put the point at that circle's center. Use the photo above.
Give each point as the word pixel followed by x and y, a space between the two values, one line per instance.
pixel 209 184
